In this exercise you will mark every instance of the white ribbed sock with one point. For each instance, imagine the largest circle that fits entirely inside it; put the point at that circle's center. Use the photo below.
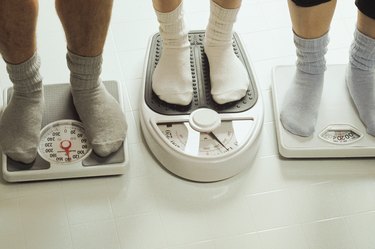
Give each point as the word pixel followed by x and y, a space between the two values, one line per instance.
pixel 229 78
pixel 300 108
pixel 100 113
pixel 21 120
pixel 172 80
pixel 360 78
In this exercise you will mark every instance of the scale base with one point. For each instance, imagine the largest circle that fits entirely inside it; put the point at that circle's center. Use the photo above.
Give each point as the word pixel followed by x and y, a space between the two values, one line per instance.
pixel 59 106
pixel 177 136
pixel 337 113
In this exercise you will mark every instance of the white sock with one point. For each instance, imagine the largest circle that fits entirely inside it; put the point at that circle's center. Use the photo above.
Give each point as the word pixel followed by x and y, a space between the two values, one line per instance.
pixel 172 79
pixel 100 113
pixel 229 78
pixel 21 120
pixel 360 78
pixel 300 108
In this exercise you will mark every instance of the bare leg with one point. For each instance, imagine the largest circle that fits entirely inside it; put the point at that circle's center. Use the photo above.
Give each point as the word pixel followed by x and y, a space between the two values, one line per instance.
pixel 360 75
pixel 366 25
pixel 169 5
pixel 301 104
pixel 86 24
pixel 165 6
pixel 17 29
pixel 172 79
pixel 21 120
pixel 229 4
pixel 311 22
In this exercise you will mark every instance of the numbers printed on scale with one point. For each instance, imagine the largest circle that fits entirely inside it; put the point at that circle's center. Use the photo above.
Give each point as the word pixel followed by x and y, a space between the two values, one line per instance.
pixel 340 134
pixel 64 141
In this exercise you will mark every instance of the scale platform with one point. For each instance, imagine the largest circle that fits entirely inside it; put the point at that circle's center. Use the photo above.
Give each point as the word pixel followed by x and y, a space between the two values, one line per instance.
pixel 203 141
pixel 338 133
pixel 60 109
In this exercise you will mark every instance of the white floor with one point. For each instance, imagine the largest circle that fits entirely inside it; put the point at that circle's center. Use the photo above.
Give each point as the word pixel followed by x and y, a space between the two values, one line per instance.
pixel 275 204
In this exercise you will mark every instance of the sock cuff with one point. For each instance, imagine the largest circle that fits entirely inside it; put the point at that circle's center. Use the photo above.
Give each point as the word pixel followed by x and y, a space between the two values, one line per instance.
pixel 84 71
pixel 364 40
pixel 84 64
pixel 172 28
pixel 311 45
pixel 25 76
pixel 222 14
pixel 311 54
pixel 362 51
pixel 219 30
pixel 168 17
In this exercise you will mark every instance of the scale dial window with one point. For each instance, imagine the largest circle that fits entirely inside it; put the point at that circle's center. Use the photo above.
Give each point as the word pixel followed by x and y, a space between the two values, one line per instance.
pixel 64 142
pixel 340 134
pixel 223 140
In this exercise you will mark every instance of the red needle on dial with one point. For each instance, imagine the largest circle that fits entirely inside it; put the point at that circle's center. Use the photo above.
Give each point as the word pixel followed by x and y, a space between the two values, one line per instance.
pixel 65 145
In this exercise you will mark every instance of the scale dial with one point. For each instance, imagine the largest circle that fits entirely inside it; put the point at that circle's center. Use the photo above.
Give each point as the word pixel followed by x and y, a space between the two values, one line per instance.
pixel 218 142
pixel 341 134
pixel 175 133
pixel 64 141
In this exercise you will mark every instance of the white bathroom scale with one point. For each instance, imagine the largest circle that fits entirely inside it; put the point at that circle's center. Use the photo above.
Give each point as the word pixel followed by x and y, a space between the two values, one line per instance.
pixel 203 141
pixel 338 133
pixel 64 151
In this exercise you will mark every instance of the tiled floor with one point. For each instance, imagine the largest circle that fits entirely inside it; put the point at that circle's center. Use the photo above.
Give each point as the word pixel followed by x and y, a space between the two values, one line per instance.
pixel 275 204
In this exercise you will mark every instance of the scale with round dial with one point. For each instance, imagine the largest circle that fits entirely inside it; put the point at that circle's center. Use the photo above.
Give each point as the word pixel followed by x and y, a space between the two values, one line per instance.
pixel 338 133
pixel 203 141
pixel 64 150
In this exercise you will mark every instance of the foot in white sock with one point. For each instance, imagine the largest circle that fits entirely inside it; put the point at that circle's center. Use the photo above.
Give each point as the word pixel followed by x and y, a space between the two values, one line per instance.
pixel 300 108
pixel 21 120
pixel 229 78
pixel 360 79
pixel 172 79
pixel 101 115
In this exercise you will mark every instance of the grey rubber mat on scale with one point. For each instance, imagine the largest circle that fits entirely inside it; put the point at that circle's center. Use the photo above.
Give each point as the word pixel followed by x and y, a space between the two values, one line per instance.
pixel 200 78
pixel 59 105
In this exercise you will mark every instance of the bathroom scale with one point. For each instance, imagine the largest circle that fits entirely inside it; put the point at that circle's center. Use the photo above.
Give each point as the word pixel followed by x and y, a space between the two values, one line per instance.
pixel 64 151
pixel 338 133
pixel 203 141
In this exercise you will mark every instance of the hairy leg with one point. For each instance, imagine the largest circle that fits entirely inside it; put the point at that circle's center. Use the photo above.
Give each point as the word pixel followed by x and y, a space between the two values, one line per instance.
pixel 86 24
pixel 17 29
